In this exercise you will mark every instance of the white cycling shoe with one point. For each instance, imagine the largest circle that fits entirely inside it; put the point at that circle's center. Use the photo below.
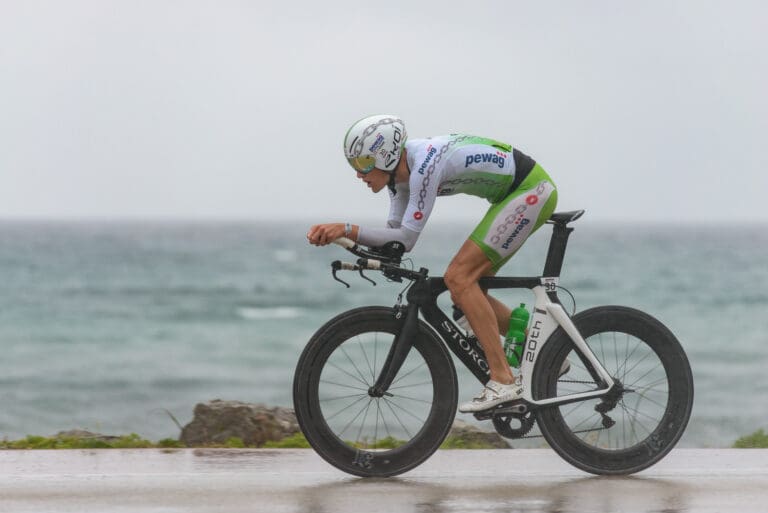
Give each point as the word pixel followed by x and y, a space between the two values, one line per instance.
pixel 495 393
pixel 492 395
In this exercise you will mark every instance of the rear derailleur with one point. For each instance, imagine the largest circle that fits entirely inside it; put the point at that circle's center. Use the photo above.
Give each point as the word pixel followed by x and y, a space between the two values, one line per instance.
pixel 609 402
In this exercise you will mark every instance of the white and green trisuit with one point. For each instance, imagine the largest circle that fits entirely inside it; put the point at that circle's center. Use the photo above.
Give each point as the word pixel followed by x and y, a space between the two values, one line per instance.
pixel 521 194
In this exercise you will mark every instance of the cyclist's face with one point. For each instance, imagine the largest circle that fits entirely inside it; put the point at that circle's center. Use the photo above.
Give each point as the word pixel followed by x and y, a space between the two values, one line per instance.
pixel 376 179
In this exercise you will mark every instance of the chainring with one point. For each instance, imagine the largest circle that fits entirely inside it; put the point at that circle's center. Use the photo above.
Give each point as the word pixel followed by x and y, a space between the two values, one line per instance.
pixel 503 424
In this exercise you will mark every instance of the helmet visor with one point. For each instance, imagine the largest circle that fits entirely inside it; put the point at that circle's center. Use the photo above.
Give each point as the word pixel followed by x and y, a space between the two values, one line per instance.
pixel 363 164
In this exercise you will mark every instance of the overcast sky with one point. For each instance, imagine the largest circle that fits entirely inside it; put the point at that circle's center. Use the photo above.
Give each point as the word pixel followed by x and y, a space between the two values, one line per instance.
pixel 644 111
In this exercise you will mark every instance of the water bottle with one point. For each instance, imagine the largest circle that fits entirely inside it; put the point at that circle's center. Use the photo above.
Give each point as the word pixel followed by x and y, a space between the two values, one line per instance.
pixel 515 340
pixel 462 321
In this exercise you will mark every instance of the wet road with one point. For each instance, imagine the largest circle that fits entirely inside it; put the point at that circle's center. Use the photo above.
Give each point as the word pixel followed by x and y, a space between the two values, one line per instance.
pixel 233 481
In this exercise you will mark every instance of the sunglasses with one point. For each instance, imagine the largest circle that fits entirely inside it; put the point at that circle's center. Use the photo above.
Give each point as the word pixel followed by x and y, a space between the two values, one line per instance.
pixel 363 164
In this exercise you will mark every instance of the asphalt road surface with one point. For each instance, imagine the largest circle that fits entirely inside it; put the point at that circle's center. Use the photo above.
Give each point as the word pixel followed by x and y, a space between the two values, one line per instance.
pixel 275 481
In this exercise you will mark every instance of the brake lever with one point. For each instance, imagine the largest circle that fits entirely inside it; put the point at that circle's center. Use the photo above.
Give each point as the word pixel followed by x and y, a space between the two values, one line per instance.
pixel 366 278
pixel 339 279
pixel 335 267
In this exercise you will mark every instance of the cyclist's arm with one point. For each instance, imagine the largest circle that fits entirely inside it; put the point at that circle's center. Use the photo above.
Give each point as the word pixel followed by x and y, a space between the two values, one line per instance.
pixel 395 229
pixel 380 236
pixel 411 205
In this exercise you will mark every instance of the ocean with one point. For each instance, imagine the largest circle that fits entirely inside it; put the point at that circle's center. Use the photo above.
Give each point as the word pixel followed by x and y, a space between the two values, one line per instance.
pixel 122 327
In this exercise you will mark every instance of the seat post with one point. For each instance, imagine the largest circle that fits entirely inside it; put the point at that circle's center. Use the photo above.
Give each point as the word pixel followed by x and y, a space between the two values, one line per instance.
pixel 556 252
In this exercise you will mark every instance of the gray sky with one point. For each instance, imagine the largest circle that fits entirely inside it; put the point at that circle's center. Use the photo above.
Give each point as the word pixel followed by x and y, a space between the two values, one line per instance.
pixel 650 110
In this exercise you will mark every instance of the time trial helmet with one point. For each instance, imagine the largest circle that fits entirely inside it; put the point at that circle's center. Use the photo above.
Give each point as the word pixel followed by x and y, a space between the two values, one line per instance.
pixel 375 141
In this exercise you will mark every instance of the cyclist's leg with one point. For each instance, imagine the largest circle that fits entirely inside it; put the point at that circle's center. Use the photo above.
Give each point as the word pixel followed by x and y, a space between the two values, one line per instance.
pixel 532 199
pixel 461 278
pixel 501 311
pixel 499 235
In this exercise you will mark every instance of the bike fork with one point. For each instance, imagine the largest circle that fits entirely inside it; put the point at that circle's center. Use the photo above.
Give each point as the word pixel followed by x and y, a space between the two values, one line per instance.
pixel 401 346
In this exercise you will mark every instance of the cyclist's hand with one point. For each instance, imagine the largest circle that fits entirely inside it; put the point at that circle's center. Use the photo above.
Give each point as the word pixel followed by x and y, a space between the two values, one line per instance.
pixel 322 234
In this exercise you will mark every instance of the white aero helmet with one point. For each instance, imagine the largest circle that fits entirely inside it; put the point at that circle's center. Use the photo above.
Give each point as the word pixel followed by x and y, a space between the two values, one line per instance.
pixel 375 141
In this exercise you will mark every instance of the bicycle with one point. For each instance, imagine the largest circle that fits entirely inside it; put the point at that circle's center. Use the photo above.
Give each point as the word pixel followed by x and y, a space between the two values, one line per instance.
pixel 375 389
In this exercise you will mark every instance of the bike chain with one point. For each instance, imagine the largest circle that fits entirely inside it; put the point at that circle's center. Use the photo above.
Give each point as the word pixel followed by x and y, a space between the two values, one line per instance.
pixel 572 432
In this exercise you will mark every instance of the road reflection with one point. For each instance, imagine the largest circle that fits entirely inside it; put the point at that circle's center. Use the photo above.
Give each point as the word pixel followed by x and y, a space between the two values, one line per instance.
pixel 609 494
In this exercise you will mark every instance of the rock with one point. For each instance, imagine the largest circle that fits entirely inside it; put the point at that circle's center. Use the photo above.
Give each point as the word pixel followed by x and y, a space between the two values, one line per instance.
pixel 472 435
pixel 255 424
pixel 217 421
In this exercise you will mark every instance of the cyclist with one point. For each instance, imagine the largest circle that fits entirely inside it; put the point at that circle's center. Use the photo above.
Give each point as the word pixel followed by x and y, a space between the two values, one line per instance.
pixel 416 172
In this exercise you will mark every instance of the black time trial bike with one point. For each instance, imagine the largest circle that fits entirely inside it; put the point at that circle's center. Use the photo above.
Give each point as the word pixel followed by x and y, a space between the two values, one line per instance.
pixel 375 389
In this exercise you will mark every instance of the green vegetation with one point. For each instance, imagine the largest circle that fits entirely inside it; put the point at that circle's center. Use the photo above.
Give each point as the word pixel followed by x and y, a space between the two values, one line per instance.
pixel 235 442
pixel 455 442
pixel 296 441
pixel 757 440
pixel 132 441
pixel 170 443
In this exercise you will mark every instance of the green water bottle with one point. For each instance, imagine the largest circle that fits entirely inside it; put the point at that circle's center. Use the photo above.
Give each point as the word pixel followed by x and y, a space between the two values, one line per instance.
pixel 515 340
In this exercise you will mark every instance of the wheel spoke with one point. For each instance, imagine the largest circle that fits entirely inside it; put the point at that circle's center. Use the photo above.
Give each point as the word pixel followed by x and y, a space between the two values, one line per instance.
pixel 362 424
pixel 646 398
pixel 412 399
pixel 635 420
pixel 345 408
pixel 327 399
pixel 639 362
pixel 364 408
pixel 648 372
pixel 343 385
pixel 411 386
pixel 399 378
pixel 398 418
pixel 343 371
pixel 362 378
pixel 577 406
pixel 638 412
pixel 367 361
pixel 586 419
pixel 390 401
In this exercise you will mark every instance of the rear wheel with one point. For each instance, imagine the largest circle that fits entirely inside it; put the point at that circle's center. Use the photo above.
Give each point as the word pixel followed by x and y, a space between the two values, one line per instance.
pixel 350 428
pixel 637 426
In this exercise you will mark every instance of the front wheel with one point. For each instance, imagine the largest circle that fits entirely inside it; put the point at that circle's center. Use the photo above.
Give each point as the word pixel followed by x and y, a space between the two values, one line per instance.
pixel 345 422
pixel 633 429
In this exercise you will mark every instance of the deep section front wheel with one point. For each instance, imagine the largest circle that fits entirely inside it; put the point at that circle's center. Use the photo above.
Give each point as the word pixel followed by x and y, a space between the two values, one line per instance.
pixel 635 427
pixel 345 422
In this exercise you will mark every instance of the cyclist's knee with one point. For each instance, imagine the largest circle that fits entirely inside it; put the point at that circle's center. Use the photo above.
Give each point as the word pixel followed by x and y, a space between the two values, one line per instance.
pixel 458 282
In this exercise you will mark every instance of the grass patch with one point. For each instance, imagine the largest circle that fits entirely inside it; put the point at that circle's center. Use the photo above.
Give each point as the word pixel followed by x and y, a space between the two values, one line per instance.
pixel 235 442
pixel 132 441
pixel 296 441
pixel 757 440
pixel 455 442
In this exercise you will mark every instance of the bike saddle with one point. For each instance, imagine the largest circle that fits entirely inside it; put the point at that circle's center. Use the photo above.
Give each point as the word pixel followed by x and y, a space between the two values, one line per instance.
pixel 565 217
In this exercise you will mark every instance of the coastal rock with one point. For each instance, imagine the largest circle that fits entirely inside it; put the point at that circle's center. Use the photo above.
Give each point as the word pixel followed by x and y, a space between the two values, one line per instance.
pixel 255 424
pixel 217 421
pixel 471 435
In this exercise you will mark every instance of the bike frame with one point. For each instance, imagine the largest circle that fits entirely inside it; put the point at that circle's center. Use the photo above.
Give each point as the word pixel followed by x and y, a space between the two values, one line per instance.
pixel 548 315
